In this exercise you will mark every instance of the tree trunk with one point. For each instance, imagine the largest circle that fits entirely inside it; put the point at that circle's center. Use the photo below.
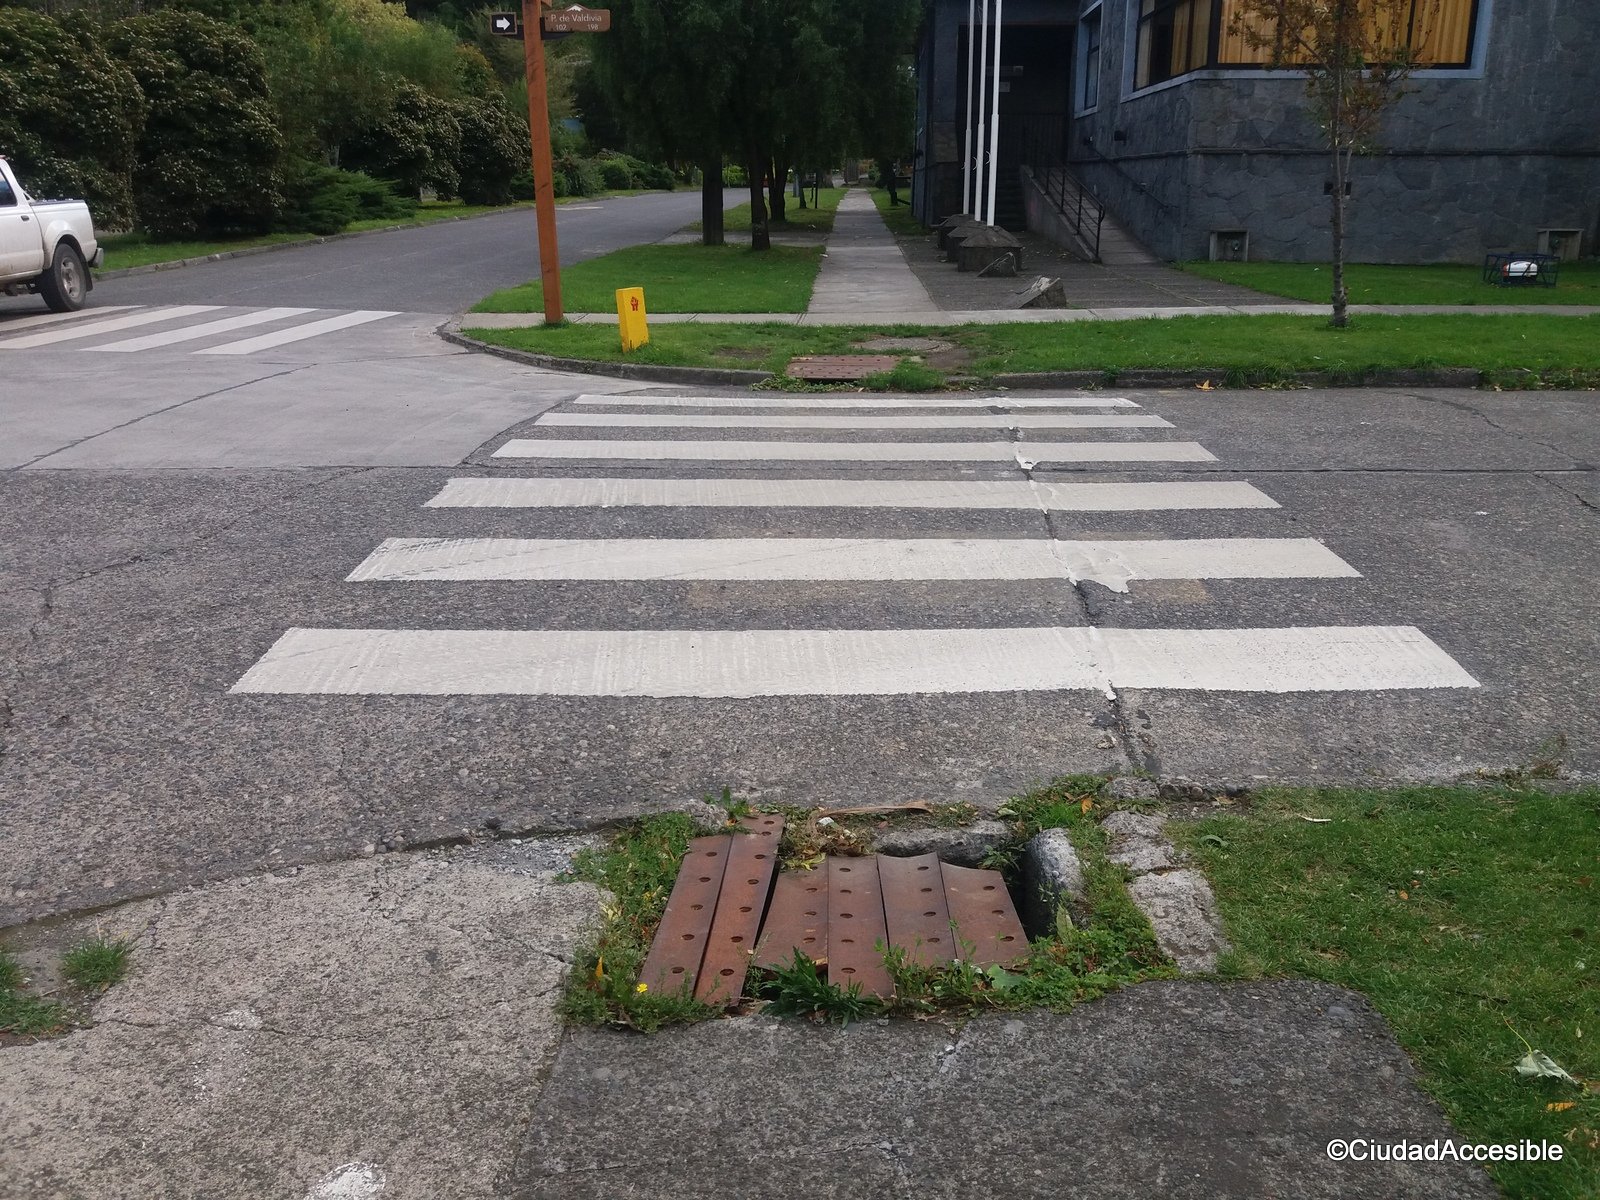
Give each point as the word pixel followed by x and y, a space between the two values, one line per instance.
pixel 1341 317
pixel 760 235
pixel 780 174
pixel 711 225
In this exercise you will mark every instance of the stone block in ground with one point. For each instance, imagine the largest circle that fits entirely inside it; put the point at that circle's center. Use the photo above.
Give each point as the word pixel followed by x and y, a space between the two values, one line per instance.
pixel 1139 842
pixel 1045 292
pixel 1182 1090
pixel 1052 876
pixel 1183 912
pixel 965 846
pixel 380 1020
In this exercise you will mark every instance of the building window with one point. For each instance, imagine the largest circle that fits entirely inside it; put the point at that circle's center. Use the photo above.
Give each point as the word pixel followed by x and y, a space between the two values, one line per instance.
pixel 1088 91
pixel 1178 36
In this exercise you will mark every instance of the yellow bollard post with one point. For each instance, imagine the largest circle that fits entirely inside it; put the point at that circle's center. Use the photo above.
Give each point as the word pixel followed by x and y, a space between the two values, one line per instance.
pixel 631 318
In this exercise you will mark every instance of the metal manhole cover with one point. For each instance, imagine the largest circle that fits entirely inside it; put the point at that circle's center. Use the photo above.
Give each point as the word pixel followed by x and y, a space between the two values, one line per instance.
pixel 840 366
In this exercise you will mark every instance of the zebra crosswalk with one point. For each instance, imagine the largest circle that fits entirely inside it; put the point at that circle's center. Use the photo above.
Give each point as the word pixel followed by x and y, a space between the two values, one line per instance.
pixel 100 330
pixel 719 658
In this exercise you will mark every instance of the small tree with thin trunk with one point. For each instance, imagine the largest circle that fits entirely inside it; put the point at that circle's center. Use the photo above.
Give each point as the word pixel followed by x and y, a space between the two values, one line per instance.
pixel 1356 56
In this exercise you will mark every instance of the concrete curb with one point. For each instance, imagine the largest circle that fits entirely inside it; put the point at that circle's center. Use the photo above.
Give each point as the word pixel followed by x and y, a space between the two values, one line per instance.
pixel 450 331
pixel 248 251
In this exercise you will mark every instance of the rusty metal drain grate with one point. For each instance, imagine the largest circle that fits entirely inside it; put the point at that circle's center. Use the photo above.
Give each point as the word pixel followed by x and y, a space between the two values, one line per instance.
pixel 720 921
pixel 821 368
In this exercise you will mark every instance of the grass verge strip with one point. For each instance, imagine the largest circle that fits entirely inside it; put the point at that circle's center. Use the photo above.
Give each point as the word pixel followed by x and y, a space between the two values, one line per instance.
pixel 1467 915
pixel 1373 283
pixel 679 279
pixel 1515 351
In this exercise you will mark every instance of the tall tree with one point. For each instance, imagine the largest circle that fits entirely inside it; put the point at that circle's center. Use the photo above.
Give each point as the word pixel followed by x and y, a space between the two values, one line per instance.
pixel 670 67
pixel 1356 56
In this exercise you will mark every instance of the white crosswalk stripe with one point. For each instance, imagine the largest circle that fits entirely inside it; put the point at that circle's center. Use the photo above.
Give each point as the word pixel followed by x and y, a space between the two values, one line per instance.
pixel 74 332
pixel 193 333
pixel 521 492
pixel 827 401
pixel 1112 564
pixel 1007 452
pixel 845 662
pixel 837 421
pixel 717 658
pixel 299 333
pixel 70 330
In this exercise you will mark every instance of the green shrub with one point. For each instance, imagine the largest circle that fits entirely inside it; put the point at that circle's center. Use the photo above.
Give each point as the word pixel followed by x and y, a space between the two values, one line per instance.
pixel 325 200
pixel 733 177
pixel 417 144
pixel 494 148
pixel 614 173
pixel 576 176
pixel 657 175
pixel 522 185
pixel 70 114
pixel 208 157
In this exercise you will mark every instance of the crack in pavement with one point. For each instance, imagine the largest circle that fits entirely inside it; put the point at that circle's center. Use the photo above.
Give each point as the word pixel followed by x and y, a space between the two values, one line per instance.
pixel 1542 477
pixel 233 387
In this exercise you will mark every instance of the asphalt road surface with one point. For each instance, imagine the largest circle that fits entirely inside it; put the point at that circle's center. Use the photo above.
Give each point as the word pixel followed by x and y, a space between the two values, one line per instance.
pixel 197 502
pixel 439 268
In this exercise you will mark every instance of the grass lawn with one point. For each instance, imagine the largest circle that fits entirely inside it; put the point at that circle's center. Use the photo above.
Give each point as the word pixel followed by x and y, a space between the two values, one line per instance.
pixel 138 250
pixel 897 216
pixel 1370 283
pixel 1560 350
pixel 679 279
pixel 1469 916
pixel 818 219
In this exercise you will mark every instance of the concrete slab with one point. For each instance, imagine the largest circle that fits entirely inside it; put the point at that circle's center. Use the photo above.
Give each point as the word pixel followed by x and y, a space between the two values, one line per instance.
pixel 1169 1089
pixel 377 1022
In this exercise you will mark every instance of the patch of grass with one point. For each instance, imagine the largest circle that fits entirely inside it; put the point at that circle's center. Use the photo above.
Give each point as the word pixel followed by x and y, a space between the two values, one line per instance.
pixel 1467 915
pixel 799 990
pixel 679 279
pixel 1525 351
pixel 897 216
pixel 638 867
pixel 818 219
pixel 1373 283
pixel 96 964
pixel 23 1015
pixel 905 377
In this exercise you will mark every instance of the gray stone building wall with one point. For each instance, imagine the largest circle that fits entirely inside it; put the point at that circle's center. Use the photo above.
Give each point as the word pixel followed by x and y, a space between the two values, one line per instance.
pixel 1467 164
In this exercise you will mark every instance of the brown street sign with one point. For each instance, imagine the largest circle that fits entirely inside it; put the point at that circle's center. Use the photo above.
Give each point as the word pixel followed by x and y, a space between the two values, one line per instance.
pixel 577 19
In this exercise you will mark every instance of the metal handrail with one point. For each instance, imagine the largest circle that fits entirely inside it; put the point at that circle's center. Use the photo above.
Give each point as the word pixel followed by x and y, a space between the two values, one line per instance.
pixel 1044 156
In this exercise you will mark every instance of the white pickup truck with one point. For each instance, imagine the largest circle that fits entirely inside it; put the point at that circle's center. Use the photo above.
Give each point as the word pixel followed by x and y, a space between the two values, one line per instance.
pixel 46 246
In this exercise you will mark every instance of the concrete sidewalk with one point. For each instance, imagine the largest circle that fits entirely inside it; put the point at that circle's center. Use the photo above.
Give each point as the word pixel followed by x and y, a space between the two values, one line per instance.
pixel 863 270
pixel 386 1029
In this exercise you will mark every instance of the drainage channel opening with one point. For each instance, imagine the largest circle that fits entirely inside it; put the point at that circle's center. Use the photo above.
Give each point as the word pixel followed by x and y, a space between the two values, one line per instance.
pixel 730 912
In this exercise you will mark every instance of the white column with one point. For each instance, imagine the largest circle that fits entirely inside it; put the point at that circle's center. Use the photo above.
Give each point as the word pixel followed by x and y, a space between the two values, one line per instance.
pixel 994 115
pixel 983 66
pixel 972 53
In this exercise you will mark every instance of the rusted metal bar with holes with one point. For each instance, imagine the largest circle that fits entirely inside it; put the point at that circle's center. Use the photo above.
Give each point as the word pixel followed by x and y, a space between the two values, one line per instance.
pixel 914 909
pixel 985 920
pixel 857 932
pixel 797 919
pixel 673 963
pixel 752 860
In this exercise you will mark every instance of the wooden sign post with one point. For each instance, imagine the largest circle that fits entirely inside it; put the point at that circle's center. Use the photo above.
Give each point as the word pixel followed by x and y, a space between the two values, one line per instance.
pixel 544 188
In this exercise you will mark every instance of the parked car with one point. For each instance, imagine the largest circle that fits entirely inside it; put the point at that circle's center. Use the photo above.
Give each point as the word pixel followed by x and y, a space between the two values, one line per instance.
pixel 46 246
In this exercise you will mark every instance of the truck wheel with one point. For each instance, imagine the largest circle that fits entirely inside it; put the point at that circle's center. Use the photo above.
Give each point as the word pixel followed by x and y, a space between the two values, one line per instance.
pixel 66 284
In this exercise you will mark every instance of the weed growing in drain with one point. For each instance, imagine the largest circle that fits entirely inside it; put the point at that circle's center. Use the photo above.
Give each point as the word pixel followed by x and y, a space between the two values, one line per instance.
pixel 23 1015
pixel 799 990
pixel 638 868
pixel 96 964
